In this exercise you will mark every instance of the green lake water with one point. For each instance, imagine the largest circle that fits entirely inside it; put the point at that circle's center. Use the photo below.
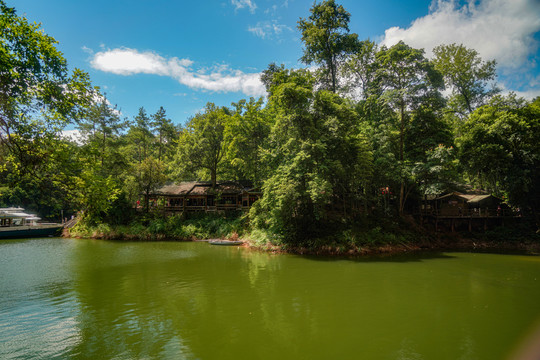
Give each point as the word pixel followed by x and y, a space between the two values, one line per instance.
pixel 89 299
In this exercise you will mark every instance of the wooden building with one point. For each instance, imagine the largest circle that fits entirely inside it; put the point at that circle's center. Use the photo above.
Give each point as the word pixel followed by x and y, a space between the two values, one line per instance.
pixel 458 204
pixel 457 211
pixel 201 196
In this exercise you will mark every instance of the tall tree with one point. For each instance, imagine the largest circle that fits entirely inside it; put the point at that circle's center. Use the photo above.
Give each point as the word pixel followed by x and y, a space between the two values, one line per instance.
pixel 407 80
pixel 316 156
pixel 201 146
pixel 101 130
pixel 361 70
pixel 140 137
pixel 326 38
pixel 245 135
pixel 166 133
pixel 466 75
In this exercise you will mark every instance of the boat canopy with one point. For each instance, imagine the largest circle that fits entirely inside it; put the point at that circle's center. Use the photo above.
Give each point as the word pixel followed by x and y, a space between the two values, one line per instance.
pixel 16 213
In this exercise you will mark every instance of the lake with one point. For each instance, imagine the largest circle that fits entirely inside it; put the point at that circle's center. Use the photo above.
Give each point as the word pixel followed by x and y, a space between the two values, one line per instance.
pixel 94 299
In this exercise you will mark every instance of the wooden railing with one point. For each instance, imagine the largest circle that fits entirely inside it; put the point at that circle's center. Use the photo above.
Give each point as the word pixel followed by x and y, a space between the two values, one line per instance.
pixel 467 213
pixel 205 207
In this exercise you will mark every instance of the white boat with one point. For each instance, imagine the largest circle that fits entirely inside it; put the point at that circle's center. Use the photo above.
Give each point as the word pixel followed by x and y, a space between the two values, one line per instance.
pixel 15 223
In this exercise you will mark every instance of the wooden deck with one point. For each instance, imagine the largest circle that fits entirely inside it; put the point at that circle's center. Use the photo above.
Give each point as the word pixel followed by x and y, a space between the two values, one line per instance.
pixel 468 219
pixel 470 213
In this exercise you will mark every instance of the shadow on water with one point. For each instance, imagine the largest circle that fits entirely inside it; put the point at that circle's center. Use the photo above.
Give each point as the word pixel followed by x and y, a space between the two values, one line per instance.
pixel 394 258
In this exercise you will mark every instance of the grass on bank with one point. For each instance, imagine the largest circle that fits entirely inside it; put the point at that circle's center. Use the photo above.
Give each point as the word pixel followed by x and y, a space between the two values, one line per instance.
pixel 175 227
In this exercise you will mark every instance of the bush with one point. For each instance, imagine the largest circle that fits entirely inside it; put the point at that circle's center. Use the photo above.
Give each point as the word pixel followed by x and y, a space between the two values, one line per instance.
pixel 180 227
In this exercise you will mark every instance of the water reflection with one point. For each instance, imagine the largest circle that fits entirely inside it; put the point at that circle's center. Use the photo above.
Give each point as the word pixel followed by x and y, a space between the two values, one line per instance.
pixel 37 317
pixel 86 299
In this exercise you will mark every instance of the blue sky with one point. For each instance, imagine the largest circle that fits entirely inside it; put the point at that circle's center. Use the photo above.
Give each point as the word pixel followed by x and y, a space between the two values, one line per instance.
pixel 183 54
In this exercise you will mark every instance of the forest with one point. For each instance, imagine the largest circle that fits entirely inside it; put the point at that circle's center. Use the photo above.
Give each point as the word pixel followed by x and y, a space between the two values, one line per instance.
pixel 379 127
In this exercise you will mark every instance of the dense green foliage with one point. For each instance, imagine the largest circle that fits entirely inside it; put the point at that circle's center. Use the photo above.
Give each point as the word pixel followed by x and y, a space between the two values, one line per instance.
pixel 364 137
pixel 178 227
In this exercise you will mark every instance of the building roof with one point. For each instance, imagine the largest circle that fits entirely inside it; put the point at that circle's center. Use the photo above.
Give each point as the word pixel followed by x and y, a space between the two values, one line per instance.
pixel 205 188
pixel 176 189
pixel 452 194
pixel 470 198
pixel 476 198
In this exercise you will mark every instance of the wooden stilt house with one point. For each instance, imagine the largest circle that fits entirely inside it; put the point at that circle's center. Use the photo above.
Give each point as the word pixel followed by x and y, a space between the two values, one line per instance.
pixel 201 196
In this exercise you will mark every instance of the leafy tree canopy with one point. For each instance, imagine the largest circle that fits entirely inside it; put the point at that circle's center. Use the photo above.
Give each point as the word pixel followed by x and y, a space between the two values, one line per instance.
pixel 466 75
pixel 326 38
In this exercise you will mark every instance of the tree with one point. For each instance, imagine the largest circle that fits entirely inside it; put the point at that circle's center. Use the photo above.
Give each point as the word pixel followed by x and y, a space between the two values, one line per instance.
pixel 101 129
pixel 361 69
pixel 201 146
pixel 466 74
pixel 150 174
pixel 139 136
pixel 47 188
pixel 246 135
pixel 316 157
pixel 166 133
pixel 271 75
pixel 500 148
pixel 407 80
pixel 38 98
pixel 95 194
pixel 437 173
pixel 37 95
pixel 326 39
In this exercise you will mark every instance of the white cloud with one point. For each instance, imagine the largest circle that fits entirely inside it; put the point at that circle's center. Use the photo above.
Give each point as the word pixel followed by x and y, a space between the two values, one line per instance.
pixel 125 61
pixel 73 136
pixel 528 94
pixel 258 30
pixel 129 61
pixel 268 29
pixel 498 29
pixel 240 4
pixel 87 50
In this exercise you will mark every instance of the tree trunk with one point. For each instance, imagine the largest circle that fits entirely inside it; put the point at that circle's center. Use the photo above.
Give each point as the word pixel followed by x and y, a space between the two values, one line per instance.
pixel 147 202
pixel 160 145
pixel 213 177
pixel 401 157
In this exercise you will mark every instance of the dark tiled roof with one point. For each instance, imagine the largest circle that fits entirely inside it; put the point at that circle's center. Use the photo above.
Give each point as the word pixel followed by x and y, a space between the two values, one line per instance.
pixel 176 189
pixel 204 188
pixel 470 198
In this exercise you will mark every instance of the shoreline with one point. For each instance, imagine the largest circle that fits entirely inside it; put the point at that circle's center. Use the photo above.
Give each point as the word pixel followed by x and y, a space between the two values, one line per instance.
pixel 462 245
pixel 446 242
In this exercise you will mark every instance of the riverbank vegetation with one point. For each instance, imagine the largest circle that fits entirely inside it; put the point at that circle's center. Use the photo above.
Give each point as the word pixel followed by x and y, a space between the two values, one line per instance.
pixel 343 151
pixel 178 227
